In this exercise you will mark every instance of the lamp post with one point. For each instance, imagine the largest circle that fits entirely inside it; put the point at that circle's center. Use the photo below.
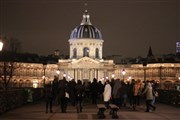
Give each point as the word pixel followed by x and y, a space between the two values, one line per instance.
pixel 144 68
pixel 160 73
pixel 123 73
pixel 44 73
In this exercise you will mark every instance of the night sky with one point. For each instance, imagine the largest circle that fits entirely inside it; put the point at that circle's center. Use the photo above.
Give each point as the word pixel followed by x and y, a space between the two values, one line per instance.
pixel 128 27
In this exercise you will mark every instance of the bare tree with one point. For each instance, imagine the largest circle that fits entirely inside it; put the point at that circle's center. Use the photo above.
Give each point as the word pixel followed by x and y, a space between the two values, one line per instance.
pixel 12 45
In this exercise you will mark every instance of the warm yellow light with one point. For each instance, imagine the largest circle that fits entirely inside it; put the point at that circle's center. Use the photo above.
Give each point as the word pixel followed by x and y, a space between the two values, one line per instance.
pixel 58 72
pixel 113 75
pixel 1 45
pixel 123 72
pixel 35 84
pixel 64 75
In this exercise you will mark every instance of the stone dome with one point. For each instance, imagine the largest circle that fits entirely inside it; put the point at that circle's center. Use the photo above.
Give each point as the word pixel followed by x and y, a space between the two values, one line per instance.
pixel 86 29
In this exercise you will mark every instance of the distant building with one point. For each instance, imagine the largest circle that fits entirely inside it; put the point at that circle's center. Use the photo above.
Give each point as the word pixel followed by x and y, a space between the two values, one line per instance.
pixel 177 47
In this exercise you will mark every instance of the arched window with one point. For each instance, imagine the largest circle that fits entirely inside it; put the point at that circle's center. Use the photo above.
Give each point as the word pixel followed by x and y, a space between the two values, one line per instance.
pixel 86 52
pixel 97 53
pixel 74 53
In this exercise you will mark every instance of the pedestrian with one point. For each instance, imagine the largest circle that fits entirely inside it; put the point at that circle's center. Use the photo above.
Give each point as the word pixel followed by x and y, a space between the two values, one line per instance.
pixel 116 92
pixel 79 93
pixel 94 91
pixel 55 91
pixel 63 94
pixel 100 91
pixel 130 86
pixel 136 94
pixel 149 97
pixel 71 87
pixel 124 93
pixel 107 93
pixel 49 98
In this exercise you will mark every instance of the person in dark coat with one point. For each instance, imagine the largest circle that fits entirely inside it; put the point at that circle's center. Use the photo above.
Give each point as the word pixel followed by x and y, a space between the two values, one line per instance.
pixel 48 97
pixel 63 88
pixel 79 93
pixel 71 87
pixel 100 90
pixel 123 93
pixel 55 91
pixel 116 92
pixel 94 91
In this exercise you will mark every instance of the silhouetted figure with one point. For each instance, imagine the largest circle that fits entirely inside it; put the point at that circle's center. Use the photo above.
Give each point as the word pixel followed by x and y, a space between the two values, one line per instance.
pixel 55 91
pixel 49 98
pixel 79 93
pixel 71 87
pixel 124 93
pixel 63 88
pixel 100 91
pixel 116 92
pixel 87 89
pixel 94 91
pixel 131 92
pixel 136 93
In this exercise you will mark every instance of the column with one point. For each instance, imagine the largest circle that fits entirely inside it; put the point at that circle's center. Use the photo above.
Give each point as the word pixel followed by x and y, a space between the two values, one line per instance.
pixel 97 74
pixel 89 73
pixel 74 73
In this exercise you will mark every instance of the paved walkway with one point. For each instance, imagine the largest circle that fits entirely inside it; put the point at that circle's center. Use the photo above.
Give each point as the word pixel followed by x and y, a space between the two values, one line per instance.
pixel 37 112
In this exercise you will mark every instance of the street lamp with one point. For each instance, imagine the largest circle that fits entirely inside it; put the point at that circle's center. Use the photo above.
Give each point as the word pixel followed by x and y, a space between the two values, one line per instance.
pixel 44 73
pixel 123 73
pixel 64 75
pixel 1 45
pixel 113 76
pixel 144 68
pixel 69 77
pixel 58 72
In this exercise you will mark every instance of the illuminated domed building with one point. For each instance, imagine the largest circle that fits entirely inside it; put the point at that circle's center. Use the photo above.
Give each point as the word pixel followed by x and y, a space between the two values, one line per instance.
pixel 86 50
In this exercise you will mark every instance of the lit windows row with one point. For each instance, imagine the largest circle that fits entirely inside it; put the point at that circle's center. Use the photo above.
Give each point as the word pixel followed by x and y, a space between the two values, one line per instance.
pixel 85 52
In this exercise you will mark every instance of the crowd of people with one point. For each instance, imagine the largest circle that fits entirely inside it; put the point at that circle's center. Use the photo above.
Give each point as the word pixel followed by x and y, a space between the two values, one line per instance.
pixel 116 91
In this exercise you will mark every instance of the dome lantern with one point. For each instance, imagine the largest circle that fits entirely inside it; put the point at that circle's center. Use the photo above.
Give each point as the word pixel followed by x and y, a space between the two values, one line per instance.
pixel 86 29
pixel 86 19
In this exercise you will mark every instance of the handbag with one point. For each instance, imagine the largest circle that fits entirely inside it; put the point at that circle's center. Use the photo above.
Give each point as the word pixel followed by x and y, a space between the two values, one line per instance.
pixel 155 93
pixel 66 94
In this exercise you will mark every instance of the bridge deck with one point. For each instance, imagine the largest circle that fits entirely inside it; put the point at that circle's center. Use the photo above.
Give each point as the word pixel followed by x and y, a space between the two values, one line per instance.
pixel 37 112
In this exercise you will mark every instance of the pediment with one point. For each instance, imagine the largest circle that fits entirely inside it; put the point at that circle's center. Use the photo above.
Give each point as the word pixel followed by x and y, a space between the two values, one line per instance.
pixel 86 62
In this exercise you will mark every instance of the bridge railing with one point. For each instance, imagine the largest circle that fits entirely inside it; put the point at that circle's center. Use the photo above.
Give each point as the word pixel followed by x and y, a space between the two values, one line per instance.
pixel 18 97
pixel 169 97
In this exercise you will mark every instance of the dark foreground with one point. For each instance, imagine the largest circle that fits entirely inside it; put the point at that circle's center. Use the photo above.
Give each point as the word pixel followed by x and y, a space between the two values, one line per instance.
pixel 37 112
